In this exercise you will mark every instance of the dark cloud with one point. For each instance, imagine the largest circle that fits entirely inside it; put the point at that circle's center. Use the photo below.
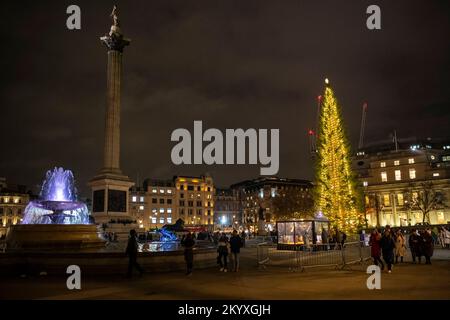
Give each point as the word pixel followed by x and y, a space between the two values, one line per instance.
pixel 231 64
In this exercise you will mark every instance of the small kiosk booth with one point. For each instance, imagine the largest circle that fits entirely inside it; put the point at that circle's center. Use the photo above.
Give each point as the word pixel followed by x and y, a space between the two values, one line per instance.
pixel 303 233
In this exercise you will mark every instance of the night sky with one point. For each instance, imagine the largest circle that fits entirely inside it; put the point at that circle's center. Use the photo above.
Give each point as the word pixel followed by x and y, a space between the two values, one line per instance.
pixel 231 64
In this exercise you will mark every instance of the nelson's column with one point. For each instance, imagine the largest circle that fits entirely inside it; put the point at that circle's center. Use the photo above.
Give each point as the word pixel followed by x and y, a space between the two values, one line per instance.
pixel 110 186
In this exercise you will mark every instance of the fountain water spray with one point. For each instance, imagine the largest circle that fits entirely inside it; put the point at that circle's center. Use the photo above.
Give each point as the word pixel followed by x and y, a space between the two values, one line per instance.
pixel 57 203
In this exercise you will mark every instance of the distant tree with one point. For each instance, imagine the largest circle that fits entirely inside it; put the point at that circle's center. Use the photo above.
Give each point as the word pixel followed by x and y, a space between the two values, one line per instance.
pixel 292 203
pixel 424 197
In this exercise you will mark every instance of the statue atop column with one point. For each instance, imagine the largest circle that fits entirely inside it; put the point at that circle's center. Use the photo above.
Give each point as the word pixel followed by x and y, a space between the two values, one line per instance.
pixel 115 39
pixel 115 16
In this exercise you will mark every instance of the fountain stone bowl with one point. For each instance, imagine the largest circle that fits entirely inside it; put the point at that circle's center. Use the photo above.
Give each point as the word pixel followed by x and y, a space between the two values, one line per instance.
pixel 57 221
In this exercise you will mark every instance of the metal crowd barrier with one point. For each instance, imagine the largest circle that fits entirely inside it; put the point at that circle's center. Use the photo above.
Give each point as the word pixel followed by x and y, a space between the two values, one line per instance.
pixel 320 255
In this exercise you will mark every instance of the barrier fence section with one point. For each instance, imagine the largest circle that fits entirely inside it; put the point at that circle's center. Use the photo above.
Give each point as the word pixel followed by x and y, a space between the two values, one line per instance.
pixel 319 255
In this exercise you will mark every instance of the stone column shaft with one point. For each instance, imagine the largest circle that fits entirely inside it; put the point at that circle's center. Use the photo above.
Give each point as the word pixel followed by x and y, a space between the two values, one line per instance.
pixel 111 161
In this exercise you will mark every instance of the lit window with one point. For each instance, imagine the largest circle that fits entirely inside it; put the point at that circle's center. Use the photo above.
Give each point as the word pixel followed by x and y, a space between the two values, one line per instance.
pixel 386 200
pixel 169 191
pixel 400 199
pixel 261 193
pixel 398 175
pixel 154 190
pixel 446 158
pixel 161 210
pixel 365 183
pixel 384 176
pixel 382 164
pixel 435 174
pixel 412 173
pixel 161 190
pixel 153 220
pixel 134 198
pixel 154 211
pixel 141 207
pixel 169 220
pixel 141 199
pixel 161 220
pixel 273 192
pixel 411 160
pixel 169 210
pixel 396 162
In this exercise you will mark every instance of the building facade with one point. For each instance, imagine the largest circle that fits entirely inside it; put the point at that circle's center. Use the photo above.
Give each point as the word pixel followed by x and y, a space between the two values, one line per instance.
pixel 162 202
pixel 394 178
pixel 256 199
pixel 227 209
pixel 13 200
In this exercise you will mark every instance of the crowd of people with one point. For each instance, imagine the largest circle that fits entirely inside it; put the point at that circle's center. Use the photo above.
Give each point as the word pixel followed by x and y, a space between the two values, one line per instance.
pixel 228 250
pixel 392 245
pixel 388 247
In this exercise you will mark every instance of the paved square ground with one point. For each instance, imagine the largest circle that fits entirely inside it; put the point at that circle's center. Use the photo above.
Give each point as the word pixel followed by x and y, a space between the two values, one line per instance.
pixel 407 281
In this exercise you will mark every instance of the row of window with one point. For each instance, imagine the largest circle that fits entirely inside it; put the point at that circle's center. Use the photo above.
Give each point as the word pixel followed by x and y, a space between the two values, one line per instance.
pixel 9 211
pixel 193 188
pixel 8 200
pixel 134 199
pixel 161 220
pixel 198 196
pixel 396 162
pixel 162 191
pixel 191 212
pixel 161 201
pixel 191 203
pixel 161 210
pixel 398 197
pixel 398 175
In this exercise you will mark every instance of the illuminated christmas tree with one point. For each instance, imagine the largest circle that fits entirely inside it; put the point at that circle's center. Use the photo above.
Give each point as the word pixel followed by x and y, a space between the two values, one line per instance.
pixel 337 193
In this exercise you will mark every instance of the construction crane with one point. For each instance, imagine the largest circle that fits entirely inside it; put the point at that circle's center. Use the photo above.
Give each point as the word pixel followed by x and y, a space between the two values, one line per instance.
pixel 312 142
pixel 363 125
pixel 313 134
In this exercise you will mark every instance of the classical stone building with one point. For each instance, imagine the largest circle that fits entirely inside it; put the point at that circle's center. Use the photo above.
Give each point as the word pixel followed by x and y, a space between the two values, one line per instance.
pixel 13 200
pixel 162 202
pixel 393 176
pixel 256 199
pixel 227 209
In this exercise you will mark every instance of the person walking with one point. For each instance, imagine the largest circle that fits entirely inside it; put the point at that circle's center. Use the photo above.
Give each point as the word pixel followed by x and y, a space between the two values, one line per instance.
pixel 375 249
pixel 427 245
pixel 243 236
pixel 387 245
pixel 235 248
pixel 131 251
pixel 222 249
pixel 188 243
pixel 414 245
pixel 400 246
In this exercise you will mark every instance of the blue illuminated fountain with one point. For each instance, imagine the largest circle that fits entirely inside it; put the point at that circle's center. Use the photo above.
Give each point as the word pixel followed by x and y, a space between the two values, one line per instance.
pixel 57 203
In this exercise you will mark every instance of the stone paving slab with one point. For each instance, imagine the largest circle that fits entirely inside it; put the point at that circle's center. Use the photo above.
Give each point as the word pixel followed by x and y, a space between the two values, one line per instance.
pixel 407 281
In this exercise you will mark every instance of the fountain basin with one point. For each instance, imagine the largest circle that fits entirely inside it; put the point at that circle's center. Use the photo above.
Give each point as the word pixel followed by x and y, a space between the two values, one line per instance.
pixel 54 237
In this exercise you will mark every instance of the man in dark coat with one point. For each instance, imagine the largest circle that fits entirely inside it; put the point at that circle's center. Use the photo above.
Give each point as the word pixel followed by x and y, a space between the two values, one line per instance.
pixel 235 248
pixel 188 243
pixel 387 245
pixel 427 245
pixel 414 245
pixel 131 251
